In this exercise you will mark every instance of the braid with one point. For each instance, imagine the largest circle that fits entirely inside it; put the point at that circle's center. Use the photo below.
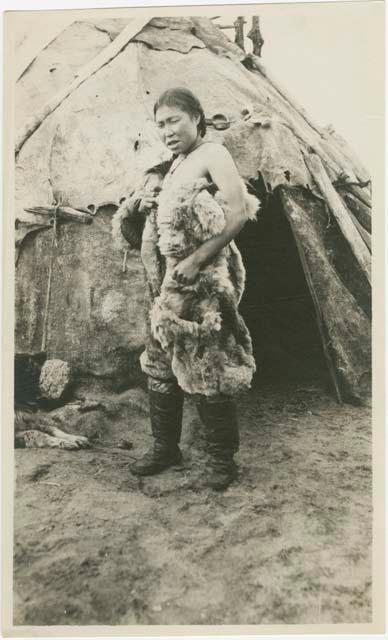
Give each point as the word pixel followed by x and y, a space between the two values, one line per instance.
pixel 202 121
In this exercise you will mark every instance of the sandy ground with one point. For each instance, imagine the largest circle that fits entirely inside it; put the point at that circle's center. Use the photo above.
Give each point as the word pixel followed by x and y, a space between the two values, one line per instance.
pixel 288 542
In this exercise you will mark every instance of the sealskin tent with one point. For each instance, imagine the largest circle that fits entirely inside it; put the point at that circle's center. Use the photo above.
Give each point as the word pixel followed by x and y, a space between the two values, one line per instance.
pixel 85 133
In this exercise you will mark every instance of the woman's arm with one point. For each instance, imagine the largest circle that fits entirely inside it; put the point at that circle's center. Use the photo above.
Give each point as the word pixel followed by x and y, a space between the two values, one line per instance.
pixel 128 222
pixel 224 174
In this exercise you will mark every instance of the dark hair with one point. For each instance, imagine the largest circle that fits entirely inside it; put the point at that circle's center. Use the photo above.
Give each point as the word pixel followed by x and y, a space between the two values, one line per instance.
pixel 184 100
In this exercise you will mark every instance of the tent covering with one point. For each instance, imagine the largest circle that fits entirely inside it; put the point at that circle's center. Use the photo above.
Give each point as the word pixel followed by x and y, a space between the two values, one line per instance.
pixel 77 297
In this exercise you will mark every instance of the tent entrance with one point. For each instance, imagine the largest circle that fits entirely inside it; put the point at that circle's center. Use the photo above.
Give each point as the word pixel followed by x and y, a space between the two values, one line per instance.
pixel 277 305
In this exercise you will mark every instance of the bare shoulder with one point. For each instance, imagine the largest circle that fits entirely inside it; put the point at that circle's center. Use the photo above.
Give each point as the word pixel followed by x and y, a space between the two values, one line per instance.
pixel 215 150
pixel 215 155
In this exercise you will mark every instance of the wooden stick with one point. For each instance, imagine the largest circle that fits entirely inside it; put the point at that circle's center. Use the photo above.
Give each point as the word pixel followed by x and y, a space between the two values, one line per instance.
pixel 338 209
pixel 103 58
pixel 67 213
pixel 361 194
pixel 358 208
pixel 124 268
pixel 52 484
pixel 239 35
pixel 367 238
pixel 48 297
pixel 256 37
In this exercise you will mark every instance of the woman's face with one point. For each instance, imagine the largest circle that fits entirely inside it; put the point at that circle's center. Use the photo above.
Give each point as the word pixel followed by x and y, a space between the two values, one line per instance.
pixel 177 128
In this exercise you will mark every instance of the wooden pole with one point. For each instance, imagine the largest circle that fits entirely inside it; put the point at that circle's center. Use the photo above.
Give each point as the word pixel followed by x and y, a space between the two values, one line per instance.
pixel 358 208
pixel 62 212
pixel 255 36
pixel 338 209
pixel 367 238
pixel 361 194
pixel 48 291
pixel 239 35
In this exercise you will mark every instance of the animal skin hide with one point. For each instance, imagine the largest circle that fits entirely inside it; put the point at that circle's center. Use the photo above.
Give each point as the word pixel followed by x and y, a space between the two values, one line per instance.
pixel 197 325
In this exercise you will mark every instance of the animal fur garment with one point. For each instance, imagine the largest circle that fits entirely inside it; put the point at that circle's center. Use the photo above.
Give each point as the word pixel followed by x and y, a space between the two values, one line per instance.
pixel 197 325
pixel 128 222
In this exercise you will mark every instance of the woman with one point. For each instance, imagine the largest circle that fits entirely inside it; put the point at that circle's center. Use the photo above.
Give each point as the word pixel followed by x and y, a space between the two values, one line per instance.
pixel 184 219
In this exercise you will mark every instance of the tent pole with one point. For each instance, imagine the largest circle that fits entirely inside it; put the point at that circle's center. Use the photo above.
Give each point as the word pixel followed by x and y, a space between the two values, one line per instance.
pixel 48 291
pixel 358 208
pixel 341 214
pixel 239 32
pixel 256 37
pixel 367 238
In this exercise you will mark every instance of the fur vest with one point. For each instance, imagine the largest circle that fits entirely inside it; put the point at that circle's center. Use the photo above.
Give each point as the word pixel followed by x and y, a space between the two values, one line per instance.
pixel 198 325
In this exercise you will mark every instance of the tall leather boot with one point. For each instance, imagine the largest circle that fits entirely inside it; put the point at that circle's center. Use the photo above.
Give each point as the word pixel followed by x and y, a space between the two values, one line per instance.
pixel 166 424
pixel 222 437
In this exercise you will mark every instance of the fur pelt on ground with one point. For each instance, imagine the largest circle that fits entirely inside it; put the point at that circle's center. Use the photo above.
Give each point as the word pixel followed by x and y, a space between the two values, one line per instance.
pixel 35 430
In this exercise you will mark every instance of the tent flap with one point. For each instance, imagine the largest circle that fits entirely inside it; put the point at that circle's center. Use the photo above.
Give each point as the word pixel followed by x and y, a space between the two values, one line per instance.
pixel 346 325
pixel 181 40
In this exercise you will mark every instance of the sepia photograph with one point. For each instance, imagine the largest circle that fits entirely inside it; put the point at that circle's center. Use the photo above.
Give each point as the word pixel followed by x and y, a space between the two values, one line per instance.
pixel 190 199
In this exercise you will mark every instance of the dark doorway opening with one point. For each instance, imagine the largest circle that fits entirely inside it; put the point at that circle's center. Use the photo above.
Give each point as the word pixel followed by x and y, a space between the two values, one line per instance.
pixel 277 305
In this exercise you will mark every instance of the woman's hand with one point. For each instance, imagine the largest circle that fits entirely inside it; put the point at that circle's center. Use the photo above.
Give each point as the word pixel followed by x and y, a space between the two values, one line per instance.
pixel 149 200
pixel 186 271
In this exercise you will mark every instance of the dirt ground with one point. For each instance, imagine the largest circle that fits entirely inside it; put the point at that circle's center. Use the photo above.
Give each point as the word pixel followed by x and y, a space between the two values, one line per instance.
pixel 288 542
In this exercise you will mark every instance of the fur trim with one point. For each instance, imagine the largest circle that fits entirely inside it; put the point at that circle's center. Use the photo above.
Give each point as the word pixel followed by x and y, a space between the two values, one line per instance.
pixel 216 371
pixel 127 210
pixel 166 326
pixel 150 255
pixel 237 271
pixel 118 239
pixel 252 204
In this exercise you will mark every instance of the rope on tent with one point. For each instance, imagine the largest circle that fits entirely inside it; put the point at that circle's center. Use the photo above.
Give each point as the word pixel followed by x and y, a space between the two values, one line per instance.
pixel 54 245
